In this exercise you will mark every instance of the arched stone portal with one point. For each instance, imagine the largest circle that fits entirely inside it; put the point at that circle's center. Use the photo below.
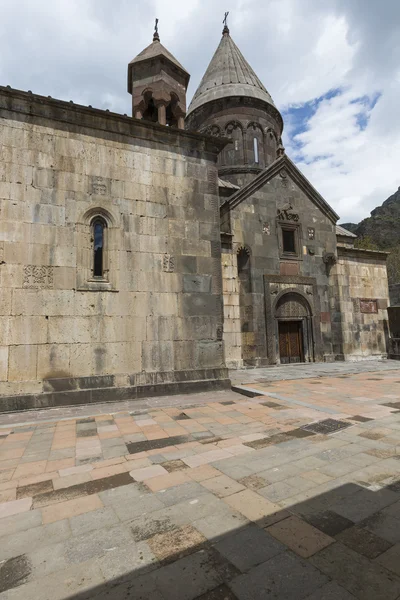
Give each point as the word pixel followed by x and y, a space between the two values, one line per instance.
pixel 293 317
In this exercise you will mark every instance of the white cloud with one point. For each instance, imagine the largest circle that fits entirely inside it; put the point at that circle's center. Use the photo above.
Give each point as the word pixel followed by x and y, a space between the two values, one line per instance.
pixel 79 49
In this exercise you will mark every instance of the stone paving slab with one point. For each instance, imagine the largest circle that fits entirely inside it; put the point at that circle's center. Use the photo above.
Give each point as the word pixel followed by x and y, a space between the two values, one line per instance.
pixel 228 497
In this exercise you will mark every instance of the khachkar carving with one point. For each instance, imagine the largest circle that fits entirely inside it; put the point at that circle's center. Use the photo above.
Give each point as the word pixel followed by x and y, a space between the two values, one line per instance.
pixel 36 277
pixel 168 263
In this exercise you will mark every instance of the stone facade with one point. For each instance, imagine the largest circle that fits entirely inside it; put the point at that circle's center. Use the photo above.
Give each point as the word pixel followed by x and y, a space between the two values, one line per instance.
pixel 257 289
pixel 156 314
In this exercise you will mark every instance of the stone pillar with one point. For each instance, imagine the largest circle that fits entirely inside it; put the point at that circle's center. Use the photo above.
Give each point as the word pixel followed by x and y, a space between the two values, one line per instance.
pixel 181 122
pixel 162 114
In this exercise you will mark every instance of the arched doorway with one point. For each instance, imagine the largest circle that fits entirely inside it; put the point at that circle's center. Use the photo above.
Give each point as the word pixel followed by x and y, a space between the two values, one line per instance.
pixel 294 324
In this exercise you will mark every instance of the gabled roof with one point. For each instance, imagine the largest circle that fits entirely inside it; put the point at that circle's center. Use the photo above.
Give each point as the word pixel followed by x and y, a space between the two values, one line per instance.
pixel 154 50
pixel 344 232
pixel 269 173
pixel 228 74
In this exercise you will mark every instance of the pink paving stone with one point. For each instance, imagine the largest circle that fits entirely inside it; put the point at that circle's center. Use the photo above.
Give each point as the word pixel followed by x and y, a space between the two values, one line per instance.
pixel 148 472
pixel 28 469
pixel 8 495
pixel 15 507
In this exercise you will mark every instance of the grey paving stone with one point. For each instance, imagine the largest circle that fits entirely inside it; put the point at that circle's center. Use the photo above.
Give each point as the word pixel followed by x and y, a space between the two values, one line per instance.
pixel 64 453
pixel 132 560
pixel 14 572
pixel 384 526
pixel 95 543
pixel 216 527
pixel 20 522
pixel 37 537
pixel 114 452
pixel 222 592
pixel 73 583
pixel 284 577
pixel 47 560
pixel 364 541
pixel 361 577
pixel 148 525
pixel 123 494
pixel 113 442
pixel 188 511
pixel 248 547
pixel 364 503
pixel 391 559
pixel 277 491
pixel 329 522
pixel 97 519
pixel 331 591
pixel 187 578
pixel 132 587
pixel 185 491
pixel 138 506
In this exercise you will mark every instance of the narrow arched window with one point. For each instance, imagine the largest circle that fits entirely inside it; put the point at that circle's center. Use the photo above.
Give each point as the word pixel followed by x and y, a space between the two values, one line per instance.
pixel 98 234
pixel 256 159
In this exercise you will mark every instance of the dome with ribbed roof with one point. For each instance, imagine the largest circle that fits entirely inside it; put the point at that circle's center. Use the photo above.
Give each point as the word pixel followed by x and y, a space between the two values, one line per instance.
pixel 228 74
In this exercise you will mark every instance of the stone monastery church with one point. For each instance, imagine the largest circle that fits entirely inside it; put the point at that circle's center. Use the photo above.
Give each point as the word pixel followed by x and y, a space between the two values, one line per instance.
pixel 149 254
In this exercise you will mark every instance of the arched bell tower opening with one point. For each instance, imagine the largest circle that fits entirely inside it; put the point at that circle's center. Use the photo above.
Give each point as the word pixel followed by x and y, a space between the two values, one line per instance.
pixel 294 329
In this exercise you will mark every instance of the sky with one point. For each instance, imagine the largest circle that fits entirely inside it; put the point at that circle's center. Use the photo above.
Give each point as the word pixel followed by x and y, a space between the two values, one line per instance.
pixel 332 68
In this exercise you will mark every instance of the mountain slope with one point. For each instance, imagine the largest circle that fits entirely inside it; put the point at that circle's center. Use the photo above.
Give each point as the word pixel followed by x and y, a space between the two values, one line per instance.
pixel 382 231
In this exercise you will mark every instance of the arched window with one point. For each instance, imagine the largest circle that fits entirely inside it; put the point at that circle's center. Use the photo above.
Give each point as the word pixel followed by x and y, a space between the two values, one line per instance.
pixel 98 237
pixel 256 158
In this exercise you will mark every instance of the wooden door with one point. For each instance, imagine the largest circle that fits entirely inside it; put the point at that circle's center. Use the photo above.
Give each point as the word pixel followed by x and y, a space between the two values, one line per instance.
pixel 290 342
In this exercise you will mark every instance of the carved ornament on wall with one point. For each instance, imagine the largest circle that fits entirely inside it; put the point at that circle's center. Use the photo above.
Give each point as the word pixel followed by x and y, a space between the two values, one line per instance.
pixel 99 186
pixel 37 277
pixel 285 213
pixel 168 263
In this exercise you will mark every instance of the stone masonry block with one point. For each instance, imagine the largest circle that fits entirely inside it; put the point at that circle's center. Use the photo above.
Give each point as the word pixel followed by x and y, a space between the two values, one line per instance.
pixel 22 363
pixel 197 283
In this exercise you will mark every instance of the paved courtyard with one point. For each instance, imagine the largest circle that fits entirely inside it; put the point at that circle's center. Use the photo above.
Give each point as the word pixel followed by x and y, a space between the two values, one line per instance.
pixel 291 494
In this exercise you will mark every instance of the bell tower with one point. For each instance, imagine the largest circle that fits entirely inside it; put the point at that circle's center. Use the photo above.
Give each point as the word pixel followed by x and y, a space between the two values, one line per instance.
pixel 158 84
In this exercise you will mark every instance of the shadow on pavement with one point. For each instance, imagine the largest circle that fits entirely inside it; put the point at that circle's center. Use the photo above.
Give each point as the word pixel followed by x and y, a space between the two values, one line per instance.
pixel 341 545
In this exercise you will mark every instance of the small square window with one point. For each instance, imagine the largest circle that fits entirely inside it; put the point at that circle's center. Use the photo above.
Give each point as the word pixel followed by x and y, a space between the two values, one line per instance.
pixel 288 241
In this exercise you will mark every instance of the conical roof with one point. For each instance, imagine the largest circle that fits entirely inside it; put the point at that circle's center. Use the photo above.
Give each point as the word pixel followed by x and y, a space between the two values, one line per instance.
pixel 228 74
pixel 154 50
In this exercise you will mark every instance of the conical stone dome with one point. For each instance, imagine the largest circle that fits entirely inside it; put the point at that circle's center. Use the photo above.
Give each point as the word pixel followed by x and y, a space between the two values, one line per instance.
pixel 228 74
pixel 232 102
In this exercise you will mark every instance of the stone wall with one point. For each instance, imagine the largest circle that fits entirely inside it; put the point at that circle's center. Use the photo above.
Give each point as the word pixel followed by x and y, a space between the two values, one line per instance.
pixel 233 336
pixel 156 316
pixel 359 304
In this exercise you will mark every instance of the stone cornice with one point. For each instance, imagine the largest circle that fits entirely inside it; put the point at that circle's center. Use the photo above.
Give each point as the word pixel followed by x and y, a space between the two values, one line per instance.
pixel 58 111
pixel 269 173
pixel 362 253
